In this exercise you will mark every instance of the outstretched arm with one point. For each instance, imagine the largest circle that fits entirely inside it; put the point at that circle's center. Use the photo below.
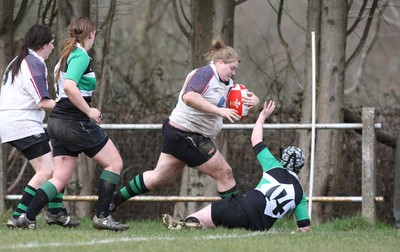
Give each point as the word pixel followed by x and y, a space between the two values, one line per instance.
pixel 257 134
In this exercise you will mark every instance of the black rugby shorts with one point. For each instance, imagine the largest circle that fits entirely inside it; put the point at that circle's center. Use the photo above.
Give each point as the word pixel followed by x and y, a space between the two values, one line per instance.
pixel 70 137
pixel 191 148
pixel 32 146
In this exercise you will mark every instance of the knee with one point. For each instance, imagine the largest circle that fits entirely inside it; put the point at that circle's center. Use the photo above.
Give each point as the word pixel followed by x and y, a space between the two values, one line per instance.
pixel 117 166
pixel 45 173
pixel 226 172
pixel 154 180
pixel 160 181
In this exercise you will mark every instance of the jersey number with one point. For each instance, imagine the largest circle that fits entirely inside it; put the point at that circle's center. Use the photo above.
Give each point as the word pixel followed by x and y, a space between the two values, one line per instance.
pixel 279 205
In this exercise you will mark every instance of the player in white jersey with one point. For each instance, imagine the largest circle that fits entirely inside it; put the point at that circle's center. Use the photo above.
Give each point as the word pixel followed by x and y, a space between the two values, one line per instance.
pixel 24 101
pixel 197 119
pixel 278 193
pixel 74 128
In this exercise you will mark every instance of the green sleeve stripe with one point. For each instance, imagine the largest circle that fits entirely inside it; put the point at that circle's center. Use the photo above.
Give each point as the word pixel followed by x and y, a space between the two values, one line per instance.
pixel 77 64
pixel 267 160
pixel 301 211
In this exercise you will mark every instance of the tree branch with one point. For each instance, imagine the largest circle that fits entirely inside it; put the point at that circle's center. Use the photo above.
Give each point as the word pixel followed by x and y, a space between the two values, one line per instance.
pixel 237 2
pixel 284 43
pixel 365 34
pixel 353 116
pixel 106 51
pixel 365 52
pixel 359 17
pixel 19 177
pixel 21 13
pixel 279 22
pixel 392 21
pixel 178 19
pixel 184 15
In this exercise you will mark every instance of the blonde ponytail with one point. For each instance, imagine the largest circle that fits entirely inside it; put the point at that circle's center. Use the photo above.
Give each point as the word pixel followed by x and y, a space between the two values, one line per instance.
pixel 219 51
pixel 79 29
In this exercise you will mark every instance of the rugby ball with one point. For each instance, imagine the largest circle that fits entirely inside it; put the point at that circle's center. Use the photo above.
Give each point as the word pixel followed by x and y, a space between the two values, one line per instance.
pixel 235 100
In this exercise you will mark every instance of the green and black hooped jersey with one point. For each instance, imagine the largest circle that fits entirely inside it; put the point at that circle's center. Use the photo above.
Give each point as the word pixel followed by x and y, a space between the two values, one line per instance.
pixel 78 69
pixel 281 192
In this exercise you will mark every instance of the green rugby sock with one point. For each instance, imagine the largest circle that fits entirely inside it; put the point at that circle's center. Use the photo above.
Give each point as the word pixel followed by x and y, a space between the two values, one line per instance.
pixel 55 205
pixel 108 182
pixel 135 187
pixel 46 192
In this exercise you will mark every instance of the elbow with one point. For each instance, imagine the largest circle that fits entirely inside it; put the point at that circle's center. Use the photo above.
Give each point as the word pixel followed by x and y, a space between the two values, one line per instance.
pixel 67 90
pixel 187 99
pixel 46 104
pixel 69 86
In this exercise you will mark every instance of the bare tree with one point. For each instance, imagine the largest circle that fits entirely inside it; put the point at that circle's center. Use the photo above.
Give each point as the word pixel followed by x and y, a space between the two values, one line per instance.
pixel 330 96
pixel 329 21
pixel 369 42
pixel 8 25
pixel 313 25
pixel 209 19
pixel 105 69
pixel 83 181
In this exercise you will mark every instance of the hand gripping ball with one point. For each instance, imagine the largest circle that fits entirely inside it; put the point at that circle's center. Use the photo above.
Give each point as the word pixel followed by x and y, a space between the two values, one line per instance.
pixel 235 100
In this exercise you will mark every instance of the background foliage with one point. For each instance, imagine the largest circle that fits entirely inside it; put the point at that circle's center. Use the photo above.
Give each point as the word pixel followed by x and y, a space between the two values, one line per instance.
pixel 148 61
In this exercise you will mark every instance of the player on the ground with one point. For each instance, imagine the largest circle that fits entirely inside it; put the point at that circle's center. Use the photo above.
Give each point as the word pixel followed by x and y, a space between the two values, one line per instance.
pixel 193 124
pixel 278 192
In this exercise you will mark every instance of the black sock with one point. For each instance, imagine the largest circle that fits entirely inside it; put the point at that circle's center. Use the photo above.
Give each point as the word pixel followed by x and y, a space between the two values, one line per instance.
pixel 55 205
pixel 229 193
pixel 46 192
pixel 108 182
pixel 135 187
pixel 27 196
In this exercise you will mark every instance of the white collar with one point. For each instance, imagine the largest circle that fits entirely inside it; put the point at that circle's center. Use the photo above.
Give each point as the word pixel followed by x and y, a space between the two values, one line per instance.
pixel 81 47
pixel 214 68
pixel 36 55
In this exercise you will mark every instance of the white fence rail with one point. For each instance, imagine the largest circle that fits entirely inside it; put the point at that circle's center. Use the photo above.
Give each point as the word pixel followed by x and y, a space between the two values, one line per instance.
pixel 368 197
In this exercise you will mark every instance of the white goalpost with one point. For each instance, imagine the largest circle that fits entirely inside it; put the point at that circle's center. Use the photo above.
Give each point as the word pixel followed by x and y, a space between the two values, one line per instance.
pixel 313 77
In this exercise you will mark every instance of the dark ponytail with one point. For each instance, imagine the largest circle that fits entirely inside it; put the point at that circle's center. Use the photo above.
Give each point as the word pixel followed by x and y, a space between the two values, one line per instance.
pixel 36 37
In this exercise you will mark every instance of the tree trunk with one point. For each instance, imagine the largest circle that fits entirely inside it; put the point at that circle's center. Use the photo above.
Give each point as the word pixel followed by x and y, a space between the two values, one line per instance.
pixel 330 101
pixel 83 182
pixel 313 24
pixel 8 26
pixel 104 80
pixel 206 25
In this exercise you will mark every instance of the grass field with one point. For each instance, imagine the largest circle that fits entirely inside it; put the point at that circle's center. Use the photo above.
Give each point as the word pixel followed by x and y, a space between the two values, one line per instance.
pixel 352 234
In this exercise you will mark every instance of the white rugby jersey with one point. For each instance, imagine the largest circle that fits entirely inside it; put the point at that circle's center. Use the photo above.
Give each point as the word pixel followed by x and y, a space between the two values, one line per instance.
pixel 205 81
pixel 20 115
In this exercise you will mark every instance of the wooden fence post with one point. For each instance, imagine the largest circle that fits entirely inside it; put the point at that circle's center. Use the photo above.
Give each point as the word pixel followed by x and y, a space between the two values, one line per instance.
pixel 3 180
pixel 396 203
pixel 368 188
